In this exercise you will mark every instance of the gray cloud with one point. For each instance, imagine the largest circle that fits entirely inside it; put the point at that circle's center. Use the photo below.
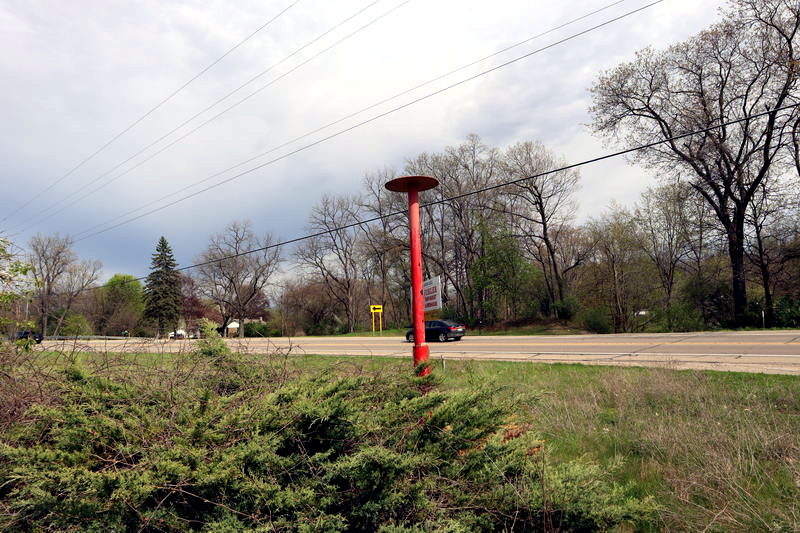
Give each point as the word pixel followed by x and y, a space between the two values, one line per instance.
pixel 80 71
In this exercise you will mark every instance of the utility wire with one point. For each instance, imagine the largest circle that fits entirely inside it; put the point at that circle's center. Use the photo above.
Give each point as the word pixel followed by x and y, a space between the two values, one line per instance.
pixel 372 119
pixel 148 113
pixel 348 116
pixel 585 162
pixel 211 119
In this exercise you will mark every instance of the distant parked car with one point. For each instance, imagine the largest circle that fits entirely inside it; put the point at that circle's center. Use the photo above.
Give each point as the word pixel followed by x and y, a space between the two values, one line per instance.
pixel 440 330
pixel 180 334
pixel 22 335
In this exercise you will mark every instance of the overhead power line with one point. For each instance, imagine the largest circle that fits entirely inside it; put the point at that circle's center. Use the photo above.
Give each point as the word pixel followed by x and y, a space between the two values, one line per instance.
pixel 148 113
pixel 212 118
pixel 371 119
pixel 349 116
pixel 496 186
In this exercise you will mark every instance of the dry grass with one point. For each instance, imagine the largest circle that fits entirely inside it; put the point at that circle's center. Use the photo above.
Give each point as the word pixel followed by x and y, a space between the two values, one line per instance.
pixel 720 450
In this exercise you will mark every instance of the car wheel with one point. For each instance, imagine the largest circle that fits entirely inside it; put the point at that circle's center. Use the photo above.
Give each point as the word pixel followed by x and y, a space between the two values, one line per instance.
pixel 442 337
pixel 410 337
pixel 458 338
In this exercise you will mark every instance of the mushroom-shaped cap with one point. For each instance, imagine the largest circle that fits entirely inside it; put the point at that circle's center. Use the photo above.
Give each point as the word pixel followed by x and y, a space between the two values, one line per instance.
pixel 412 183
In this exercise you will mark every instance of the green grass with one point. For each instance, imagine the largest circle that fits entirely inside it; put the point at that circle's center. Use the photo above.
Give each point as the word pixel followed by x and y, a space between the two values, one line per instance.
pixel 536 329
pixel 539 329
pixel 719 450
pixel 392 332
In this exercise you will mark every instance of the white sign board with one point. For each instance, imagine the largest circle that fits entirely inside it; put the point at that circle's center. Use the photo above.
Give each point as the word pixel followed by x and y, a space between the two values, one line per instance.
pixel 432 293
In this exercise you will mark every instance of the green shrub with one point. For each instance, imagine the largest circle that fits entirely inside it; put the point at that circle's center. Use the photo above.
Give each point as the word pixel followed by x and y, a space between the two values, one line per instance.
pixel 365 453
pixel 596 320
pixel 211 343
pixel 679 317
pixel 787 312
pixel 711 298
pixel 260 329
pixel 76 324
pixel 566 309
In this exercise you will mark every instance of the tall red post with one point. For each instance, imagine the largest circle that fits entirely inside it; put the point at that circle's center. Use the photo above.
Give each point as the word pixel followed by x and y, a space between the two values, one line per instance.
pixel 421 350
pixel 413 185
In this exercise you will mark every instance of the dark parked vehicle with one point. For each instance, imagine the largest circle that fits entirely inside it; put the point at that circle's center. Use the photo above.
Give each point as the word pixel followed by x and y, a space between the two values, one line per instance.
pixel 38 337
pixel 440 330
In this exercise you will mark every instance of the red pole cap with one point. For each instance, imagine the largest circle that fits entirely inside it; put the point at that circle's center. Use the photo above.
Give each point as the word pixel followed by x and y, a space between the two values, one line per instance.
pixel 412 183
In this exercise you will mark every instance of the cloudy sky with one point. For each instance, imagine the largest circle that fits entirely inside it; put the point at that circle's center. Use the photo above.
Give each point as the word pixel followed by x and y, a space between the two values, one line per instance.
pixel 75 74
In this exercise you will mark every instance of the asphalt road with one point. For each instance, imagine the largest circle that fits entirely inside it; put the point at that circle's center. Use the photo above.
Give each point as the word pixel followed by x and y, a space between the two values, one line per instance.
pixel 769 352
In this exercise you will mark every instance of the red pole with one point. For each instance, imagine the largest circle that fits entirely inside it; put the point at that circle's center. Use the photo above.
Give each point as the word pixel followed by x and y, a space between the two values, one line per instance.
pixel 421 350
pixel 413 185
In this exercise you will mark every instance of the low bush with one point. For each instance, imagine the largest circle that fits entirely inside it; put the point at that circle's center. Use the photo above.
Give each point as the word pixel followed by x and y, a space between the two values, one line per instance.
pixel 367 452
pixel 679 317
pixel 76 324
pixel 567 308
pixel 596 320
pixel 260 329
pixel 787 312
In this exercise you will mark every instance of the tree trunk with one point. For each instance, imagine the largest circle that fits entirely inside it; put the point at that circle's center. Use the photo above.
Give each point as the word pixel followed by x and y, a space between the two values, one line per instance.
pixel 769 306
pixel 763 267
pixel 45 312
pixel 738 282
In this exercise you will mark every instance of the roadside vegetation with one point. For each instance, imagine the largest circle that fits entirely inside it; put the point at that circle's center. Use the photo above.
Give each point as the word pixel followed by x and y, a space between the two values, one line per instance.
pixel 533 329
pixel 219 441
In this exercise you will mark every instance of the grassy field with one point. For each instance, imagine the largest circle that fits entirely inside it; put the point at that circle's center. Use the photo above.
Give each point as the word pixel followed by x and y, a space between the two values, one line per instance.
pixel 539 329
pixel 719 451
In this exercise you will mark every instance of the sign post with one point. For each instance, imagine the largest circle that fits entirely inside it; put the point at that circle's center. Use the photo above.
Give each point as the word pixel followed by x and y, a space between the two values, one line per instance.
pixel 379 310
pixel 413 185
pixel 432 294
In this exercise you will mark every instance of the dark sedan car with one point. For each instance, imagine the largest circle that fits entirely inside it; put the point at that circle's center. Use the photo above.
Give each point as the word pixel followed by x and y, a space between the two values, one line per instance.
pixel 440 330
pixel 38 337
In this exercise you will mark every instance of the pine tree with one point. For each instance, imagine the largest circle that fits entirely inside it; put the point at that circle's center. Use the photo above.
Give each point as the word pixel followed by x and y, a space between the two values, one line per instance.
pixel 163 288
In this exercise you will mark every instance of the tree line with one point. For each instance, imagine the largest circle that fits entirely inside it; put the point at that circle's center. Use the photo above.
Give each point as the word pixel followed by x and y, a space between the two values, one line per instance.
pixel 714 243
pixel 52 290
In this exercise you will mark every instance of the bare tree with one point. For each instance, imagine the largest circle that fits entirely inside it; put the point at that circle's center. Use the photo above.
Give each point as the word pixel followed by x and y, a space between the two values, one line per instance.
pixel 660 221
pixel 232 276
pixel 542 210
pixel 79 276
pixel 59 276
pixel 385 243
pixel 50 256
pixel 452 241
pixel 332 254
pixel 744 65
pixel 621 270
pixel 305 304
pixel 770 238
pixel 382 244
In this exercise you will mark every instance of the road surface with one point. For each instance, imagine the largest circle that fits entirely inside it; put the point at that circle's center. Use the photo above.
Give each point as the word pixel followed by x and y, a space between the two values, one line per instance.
pixel 769 351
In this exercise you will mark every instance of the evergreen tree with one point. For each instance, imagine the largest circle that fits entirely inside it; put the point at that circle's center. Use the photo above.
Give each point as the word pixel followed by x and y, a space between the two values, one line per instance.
pixel 163 288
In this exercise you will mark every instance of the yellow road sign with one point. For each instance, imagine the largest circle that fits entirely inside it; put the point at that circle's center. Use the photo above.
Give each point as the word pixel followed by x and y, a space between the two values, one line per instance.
pixel 377 309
